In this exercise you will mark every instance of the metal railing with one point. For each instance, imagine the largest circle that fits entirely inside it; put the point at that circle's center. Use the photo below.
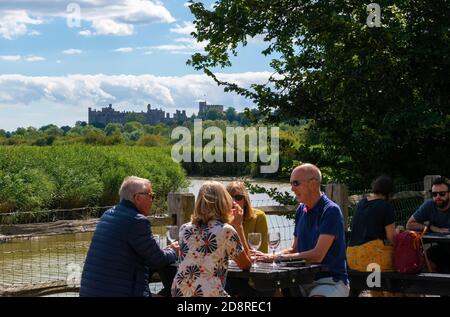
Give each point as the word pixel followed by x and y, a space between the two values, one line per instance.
pixel 43 252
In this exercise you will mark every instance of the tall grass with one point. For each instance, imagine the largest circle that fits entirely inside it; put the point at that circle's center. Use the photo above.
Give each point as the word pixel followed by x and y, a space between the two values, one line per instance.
pixel 33 178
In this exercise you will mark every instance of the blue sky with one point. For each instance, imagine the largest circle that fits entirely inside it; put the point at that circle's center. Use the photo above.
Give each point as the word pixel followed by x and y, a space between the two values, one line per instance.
pixel 125 52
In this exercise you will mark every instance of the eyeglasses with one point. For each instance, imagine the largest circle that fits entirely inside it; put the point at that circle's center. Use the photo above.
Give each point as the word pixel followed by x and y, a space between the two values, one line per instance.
pixel 151 195
pixel 442 194
pixel 238 197
pixel 296 183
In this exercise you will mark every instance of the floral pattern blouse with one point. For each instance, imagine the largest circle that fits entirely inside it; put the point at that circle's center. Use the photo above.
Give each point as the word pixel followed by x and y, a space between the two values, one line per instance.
pixel 203 260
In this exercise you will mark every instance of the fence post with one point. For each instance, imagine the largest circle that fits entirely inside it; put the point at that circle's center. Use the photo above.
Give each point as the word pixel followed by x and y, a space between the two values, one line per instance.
pixel 180 207
pixel 427 182
pixel 339 194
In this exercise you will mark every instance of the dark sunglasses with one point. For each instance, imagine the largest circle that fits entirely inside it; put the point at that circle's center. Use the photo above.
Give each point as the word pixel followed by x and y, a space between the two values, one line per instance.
pixel 238 197
pixel 442 194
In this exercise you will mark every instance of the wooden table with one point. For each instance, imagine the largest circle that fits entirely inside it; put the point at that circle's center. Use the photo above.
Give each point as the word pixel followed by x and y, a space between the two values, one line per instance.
pixel 287 276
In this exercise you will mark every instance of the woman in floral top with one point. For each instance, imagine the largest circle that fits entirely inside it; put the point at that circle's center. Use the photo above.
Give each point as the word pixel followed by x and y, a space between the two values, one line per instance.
pixel 214 235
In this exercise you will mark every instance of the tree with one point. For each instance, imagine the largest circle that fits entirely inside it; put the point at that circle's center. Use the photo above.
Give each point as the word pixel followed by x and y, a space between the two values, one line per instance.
pixel 379 96
pixel 133 126
pixel 65 129
pixel 112 128
pixel 52 129
pixel 213 114
pixel 231 114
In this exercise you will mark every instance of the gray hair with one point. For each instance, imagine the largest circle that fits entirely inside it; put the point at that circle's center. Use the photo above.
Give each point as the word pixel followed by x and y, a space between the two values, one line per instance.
pixel 132 185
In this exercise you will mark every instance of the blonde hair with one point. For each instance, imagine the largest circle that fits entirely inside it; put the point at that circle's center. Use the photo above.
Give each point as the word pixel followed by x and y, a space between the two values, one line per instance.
pixel 213 203
pixel 240 187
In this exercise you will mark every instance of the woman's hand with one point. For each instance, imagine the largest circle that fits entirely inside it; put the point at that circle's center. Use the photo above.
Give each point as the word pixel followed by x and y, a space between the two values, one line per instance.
pixel 257 253
pixel 269 258
pixel 237 214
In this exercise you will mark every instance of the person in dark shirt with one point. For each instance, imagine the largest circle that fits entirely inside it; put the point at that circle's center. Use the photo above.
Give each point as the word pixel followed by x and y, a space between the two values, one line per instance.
pixel 436 211
pixel 373 223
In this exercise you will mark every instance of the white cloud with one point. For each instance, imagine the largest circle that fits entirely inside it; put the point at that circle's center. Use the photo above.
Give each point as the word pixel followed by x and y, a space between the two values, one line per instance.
pixel 33 58
pixel 13 23
pixel 58 61
pixel 72 51
pixel 112 17
pixel 10 58
pixel 34 33
pixel 188 46
pixel 110 27
pixel 124 50
pixel 75 93
pixel 86 33
pixel 186 28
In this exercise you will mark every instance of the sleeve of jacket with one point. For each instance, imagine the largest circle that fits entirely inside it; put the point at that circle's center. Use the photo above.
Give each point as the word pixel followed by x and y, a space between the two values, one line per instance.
pixel 143 243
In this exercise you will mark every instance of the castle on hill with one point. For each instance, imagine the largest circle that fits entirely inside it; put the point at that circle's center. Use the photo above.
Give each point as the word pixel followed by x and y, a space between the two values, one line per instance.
pixel 151 116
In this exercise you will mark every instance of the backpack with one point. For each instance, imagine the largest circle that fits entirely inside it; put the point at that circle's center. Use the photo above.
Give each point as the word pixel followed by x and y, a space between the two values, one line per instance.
pixel 409 256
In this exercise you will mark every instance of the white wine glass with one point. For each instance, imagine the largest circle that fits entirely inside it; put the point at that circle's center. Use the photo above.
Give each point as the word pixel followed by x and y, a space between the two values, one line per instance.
pixel 274 242
pixel 254 241
pixel 172 234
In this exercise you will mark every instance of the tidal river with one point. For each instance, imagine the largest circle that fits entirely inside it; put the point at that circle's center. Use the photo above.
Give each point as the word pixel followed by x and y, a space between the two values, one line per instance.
pixel 60 257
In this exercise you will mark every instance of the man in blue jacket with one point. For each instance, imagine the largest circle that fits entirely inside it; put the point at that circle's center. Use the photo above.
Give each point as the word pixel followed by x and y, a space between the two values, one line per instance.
pixel 123 249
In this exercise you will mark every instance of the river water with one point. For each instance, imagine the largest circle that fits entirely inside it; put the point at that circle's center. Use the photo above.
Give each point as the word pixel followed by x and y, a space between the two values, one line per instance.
pixel 61 257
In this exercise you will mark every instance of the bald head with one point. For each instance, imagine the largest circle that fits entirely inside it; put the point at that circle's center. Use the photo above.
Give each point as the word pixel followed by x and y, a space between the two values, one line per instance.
pixel 308 171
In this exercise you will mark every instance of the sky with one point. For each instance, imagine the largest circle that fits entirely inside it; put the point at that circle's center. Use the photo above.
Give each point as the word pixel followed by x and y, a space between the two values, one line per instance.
pixel 58 58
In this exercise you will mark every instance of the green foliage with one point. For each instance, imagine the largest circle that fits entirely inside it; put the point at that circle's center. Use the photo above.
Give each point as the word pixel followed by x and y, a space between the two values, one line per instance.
pixel 212 114
pixel 33 178
pixel 378 97
pixel 112 128
pixel 150 140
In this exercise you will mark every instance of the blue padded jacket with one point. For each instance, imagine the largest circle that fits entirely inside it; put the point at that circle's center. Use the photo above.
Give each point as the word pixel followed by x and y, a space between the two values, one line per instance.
pixel 121 254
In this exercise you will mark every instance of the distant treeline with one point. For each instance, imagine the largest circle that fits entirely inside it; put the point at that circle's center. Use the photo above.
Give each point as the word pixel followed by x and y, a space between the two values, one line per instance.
pixel 299 142
pixel 132 133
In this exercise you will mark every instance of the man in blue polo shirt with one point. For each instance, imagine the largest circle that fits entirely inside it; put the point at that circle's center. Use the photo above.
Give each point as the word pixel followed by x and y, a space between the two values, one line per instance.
pixel 318 234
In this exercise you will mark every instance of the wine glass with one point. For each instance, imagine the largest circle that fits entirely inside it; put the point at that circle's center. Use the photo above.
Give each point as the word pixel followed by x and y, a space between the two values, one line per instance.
pixel 157 238
pixel 274 242
pixel 254 241
pixel 172 234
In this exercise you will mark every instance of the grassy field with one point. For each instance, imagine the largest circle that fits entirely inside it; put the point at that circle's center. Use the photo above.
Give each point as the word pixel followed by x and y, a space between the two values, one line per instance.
pixel 36 178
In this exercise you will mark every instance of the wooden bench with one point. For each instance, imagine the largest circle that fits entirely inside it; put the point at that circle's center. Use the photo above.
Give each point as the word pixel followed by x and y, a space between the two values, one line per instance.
pixel 422 283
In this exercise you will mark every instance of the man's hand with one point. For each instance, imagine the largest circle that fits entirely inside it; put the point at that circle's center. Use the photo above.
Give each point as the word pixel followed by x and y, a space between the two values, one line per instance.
pixel 175 246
